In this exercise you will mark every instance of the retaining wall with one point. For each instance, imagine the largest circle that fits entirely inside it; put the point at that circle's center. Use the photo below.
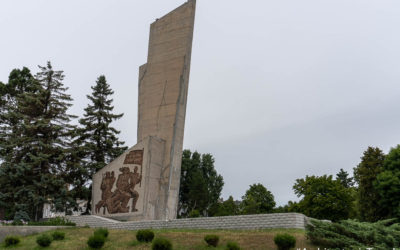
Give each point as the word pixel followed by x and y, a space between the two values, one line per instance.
pixel 258 221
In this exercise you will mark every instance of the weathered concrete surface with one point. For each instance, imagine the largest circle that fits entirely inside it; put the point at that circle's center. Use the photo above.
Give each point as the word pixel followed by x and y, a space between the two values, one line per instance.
pixel 25 230
pixel 257 221
pixel 163 88
pixel 148 202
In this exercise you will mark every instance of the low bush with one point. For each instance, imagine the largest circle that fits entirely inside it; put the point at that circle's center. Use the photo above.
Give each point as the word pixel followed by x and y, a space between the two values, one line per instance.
pixel 194 213
pixel 57 235
pixel 102 231
pixel 284 241
pixel 348 234
pixel 44 240
pixel 212 240
pixel 232 246
pixel 161 244
pixel 57 221
pixel 11 241
pixel 96 241
pixel 145 235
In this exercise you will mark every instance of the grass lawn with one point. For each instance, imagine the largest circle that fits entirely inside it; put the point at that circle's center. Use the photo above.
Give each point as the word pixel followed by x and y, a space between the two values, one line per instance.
pixel 76 238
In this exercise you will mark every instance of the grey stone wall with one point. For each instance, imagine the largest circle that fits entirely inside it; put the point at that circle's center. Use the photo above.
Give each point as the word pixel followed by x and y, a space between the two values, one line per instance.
pixel 24 230
pixel 259 221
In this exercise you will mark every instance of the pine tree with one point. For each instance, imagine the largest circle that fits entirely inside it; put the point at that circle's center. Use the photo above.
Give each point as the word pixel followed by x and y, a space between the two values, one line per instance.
pixel 98 138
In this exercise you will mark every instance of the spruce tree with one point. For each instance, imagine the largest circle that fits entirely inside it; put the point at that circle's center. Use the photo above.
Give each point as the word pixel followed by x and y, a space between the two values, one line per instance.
pixel 365 175
pixel 37 145
pixel 98 138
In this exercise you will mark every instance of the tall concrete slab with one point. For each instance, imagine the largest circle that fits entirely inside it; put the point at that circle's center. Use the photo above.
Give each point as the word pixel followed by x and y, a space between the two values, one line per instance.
pixel 163 88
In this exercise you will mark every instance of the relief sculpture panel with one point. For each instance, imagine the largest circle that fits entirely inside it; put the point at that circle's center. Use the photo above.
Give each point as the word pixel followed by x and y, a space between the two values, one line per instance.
pixel 125 188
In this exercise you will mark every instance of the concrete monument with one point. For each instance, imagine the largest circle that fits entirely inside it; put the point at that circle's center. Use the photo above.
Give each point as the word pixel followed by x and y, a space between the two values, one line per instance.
pixel 143 183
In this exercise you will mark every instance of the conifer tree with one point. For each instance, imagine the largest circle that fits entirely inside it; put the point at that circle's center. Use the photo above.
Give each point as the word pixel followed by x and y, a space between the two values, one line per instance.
pixel 365 175
pixel 37 145
pixel 98 138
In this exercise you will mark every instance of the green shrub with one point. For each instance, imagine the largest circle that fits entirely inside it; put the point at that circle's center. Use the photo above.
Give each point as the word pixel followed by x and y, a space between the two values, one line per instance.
pixel 11 241
pixel 44 240
pixel 57 221
pixel 161 244
pixel 102 231
pixel 96 241
pixel 285 241
pixel 232 246
pixel 348 234
pixel 57 235
pixel 212 240
pixel 17 223
pixel 145 235
pixel 194 213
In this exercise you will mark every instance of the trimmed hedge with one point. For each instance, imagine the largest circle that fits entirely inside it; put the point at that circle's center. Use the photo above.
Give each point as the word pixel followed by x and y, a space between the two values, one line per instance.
pixel 44 240
pixel 284 241
pixel 57 235
pixel 11 241
pixel 232 246
pixel 161 244
pixel 145 235
pixel 96 241
pixel 101 231
pixel 211 239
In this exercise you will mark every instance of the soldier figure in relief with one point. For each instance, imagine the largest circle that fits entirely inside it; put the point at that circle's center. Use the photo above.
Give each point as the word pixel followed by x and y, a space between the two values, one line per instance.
pixel 106 186
pixel 135 178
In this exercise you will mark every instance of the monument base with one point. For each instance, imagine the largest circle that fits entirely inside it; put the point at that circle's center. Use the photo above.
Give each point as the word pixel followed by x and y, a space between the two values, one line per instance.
pixel 128 188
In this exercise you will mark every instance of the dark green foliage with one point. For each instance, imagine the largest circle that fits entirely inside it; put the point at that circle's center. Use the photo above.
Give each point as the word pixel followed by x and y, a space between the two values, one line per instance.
pixel 344 178
pixel 99 138
pixel 101 231
pixel 211 239
pixel 232 246
pixel 21 216
pixel 323 198
pixel 365 175
pixel 57 221
pixel 351 234
pixel 96 241
pixel 57 235
pixel 225 208
pixel 44 240
pixel 96 142
pixel 200 186
pixel 387 184
pixel 257 200
pixel 194 214
pixel 161 244
pixel 145 235
pixel 11 241
pixel 34 142
pixel 284 241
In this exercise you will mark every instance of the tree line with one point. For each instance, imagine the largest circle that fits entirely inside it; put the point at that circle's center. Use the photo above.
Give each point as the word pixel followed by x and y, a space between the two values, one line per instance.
pixel 48 155
pixel 372 194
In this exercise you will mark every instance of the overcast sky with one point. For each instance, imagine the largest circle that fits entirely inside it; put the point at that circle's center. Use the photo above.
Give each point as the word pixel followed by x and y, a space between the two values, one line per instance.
pixel 278 89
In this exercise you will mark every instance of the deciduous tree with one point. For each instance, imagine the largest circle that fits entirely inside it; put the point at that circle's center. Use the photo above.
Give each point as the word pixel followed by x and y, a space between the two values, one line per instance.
pixel 323 198
pixel 257 200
